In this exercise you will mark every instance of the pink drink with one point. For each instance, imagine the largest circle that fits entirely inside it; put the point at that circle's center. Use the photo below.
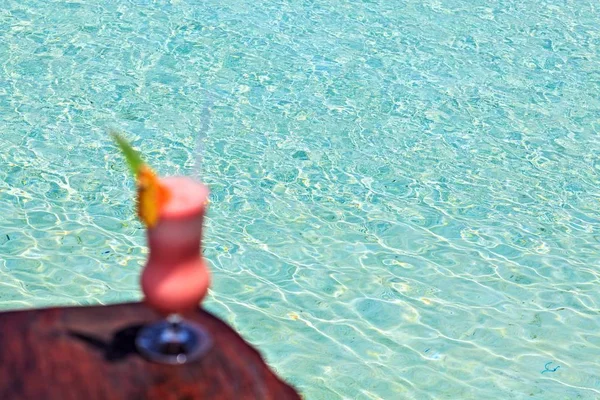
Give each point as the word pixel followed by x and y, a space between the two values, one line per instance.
pixel 176 278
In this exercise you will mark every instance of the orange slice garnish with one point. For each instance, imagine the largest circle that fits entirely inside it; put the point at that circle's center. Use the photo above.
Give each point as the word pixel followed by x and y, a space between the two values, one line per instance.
pixel 151 196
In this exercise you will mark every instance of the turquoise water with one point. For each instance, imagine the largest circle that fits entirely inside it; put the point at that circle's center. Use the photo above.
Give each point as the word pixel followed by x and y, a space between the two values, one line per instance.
pixel 405 198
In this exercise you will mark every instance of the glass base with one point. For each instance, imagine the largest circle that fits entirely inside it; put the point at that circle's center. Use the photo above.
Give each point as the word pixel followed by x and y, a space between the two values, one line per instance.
pixel 173 341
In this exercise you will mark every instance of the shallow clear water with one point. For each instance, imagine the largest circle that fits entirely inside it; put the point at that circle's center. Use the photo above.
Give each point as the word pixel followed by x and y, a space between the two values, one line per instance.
pixel 405 193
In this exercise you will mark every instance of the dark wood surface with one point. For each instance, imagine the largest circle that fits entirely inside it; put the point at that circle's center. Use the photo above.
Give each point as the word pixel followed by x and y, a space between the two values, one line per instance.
pixel 88 353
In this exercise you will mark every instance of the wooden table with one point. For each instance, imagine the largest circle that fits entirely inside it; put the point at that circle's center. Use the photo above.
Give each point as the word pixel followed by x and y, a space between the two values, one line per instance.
pixel 88 353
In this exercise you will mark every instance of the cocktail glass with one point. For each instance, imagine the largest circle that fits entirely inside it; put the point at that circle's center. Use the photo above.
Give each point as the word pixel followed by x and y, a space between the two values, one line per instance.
pixel 175 278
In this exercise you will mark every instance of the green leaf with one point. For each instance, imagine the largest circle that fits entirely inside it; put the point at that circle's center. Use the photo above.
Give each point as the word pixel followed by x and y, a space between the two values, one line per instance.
pixel 133 158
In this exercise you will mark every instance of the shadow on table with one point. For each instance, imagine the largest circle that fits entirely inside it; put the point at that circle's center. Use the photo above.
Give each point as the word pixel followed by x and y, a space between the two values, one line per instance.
pixel 121 345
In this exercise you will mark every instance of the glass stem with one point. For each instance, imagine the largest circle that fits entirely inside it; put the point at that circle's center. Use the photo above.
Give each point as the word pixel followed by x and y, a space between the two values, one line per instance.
pixel 172 332
pixel 174 319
